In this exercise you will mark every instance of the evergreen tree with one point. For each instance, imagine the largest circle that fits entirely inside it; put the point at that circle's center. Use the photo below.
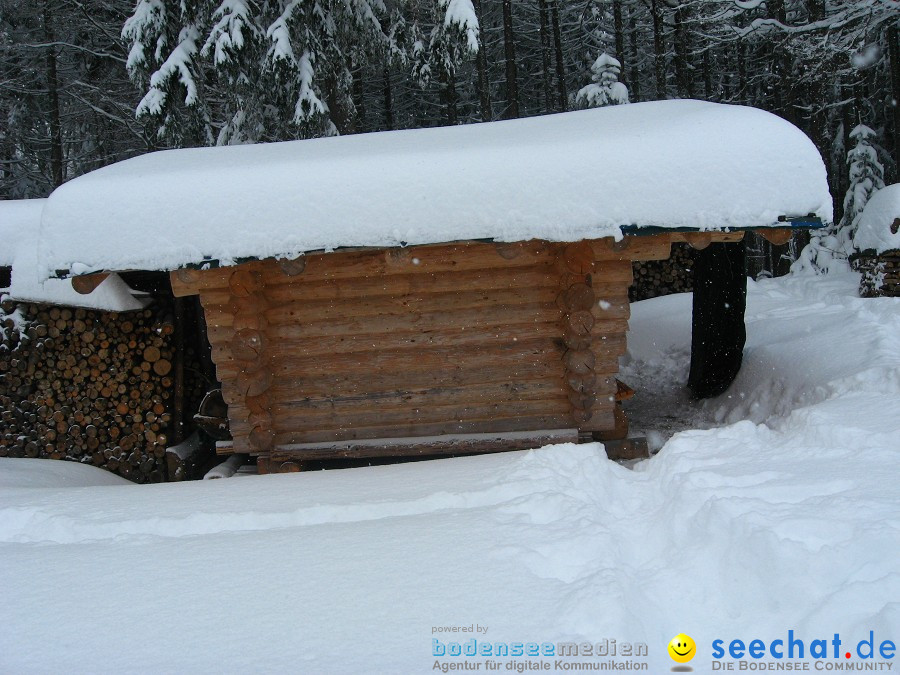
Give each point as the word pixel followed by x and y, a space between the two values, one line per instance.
pixel 866 177
pixel 605 88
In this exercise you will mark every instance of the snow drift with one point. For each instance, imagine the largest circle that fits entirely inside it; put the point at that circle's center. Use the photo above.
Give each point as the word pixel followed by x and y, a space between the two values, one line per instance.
pixel 782 515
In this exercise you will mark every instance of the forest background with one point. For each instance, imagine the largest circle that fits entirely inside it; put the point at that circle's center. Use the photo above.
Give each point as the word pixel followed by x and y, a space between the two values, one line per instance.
pixel 84 83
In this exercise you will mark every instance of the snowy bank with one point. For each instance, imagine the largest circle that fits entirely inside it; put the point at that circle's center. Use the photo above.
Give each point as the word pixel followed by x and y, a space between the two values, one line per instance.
pixel 874 230
pixel 784 520
pixel 565 177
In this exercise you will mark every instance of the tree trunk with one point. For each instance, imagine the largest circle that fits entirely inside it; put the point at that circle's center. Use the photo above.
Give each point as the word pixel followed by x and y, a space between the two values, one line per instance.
pixel 545 54
pixel 512 75
pixel 56 148
pixel 707 76
pixel 560 64
pixel 635 70
pixel 683 79
pixel 720 298
pixel 894 55
pixel 450 97
pixel 358 124
pixel 659 56
pixel 620 34
pixel 388 99
pixel 484 89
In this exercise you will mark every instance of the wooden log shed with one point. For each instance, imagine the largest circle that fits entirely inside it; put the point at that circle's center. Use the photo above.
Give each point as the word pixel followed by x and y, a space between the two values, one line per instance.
pixel 376 346
pixel 454 348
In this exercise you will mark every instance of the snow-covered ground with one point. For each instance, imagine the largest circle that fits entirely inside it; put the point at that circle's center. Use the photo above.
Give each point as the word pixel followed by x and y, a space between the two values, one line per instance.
pixel 774 508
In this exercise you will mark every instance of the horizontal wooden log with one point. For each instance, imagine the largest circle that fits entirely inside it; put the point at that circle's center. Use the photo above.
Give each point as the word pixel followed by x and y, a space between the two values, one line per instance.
pixel 448 302
pixel 516 356
pixel 476 319
pixel 436 258
pixel 410 399
pixel 87 283
pixel 459 336
pixel 611 308
pixel 496 425
pixel 777 236
pixel 416 284
pixel 291 419
pixel 288 388
pixel 651 247
pixel 460 444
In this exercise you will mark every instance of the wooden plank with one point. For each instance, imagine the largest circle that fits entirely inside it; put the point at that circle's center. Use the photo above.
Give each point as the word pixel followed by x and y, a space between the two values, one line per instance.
pixel 629 248
pixel 459 444
pixel 375 306
pixel 412 399
pixel 518 423
pixel 294 325
pixel 426 259
pixel 712 236
pixel 445 337
pixel 610 340
pixel 412 284
pixel 514 355
pixel 455 412
pixel 288 388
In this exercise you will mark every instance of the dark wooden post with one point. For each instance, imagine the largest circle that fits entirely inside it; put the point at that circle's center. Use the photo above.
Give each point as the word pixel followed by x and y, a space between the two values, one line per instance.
pixel 720 298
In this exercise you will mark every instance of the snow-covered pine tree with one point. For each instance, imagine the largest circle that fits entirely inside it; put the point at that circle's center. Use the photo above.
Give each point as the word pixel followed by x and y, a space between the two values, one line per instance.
pixel 166 37
pixel 453 40
pixel 605 88
pixel 309 59
pixel 236 45
pixel 866 176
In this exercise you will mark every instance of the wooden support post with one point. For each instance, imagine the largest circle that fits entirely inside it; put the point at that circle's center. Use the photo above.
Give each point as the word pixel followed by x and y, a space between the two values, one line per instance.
pixel 720 297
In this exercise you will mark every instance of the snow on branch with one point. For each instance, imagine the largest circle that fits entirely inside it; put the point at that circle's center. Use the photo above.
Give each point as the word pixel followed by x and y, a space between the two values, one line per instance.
pixel 461 13
pixel 177 65
pixel 232 18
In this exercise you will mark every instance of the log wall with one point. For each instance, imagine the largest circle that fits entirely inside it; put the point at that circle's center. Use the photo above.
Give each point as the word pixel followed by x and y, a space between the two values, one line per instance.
pixel 419 342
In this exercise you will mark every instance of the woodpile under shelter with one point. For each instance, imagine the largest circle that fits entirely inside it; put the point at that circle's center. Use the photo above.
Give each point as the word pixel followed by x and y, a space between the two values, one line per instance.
pixel 447 290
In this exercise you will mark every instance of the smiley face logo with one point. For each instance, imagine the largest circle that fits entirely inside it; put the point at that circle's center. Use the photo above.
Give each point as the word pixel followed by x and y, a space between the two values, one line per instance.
pixel 682 648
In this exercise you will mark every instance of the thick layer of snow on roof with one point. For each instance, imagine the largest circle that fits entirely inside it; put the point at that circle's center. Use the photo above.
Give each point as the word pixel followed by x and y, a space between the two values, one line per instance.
pixel 19 230
pixel 559 177
pixel 785 520
pixel 874 229
pixel 17 218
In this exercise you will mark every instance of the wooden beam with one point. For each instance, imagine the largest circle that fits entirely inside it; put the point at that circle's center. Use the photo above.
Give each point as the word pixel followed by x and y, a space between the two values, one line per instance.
pixel 458 444
pixel 779 236
pixel 86 283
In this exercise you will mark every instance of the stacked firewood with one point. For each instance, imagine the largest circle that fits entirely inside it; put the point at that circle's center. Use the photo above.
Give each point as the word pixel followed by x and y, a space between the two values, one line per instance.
pixel 653 278
pixel 880 274
pixel 95 387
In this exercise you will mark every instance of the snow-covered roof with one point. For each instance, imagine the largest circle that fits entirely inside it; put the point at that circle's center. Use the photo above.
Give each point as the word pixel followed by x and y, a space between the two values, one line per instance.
pixel 17 218
pixel 874 229
pixel 19 227
pixel 671 164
